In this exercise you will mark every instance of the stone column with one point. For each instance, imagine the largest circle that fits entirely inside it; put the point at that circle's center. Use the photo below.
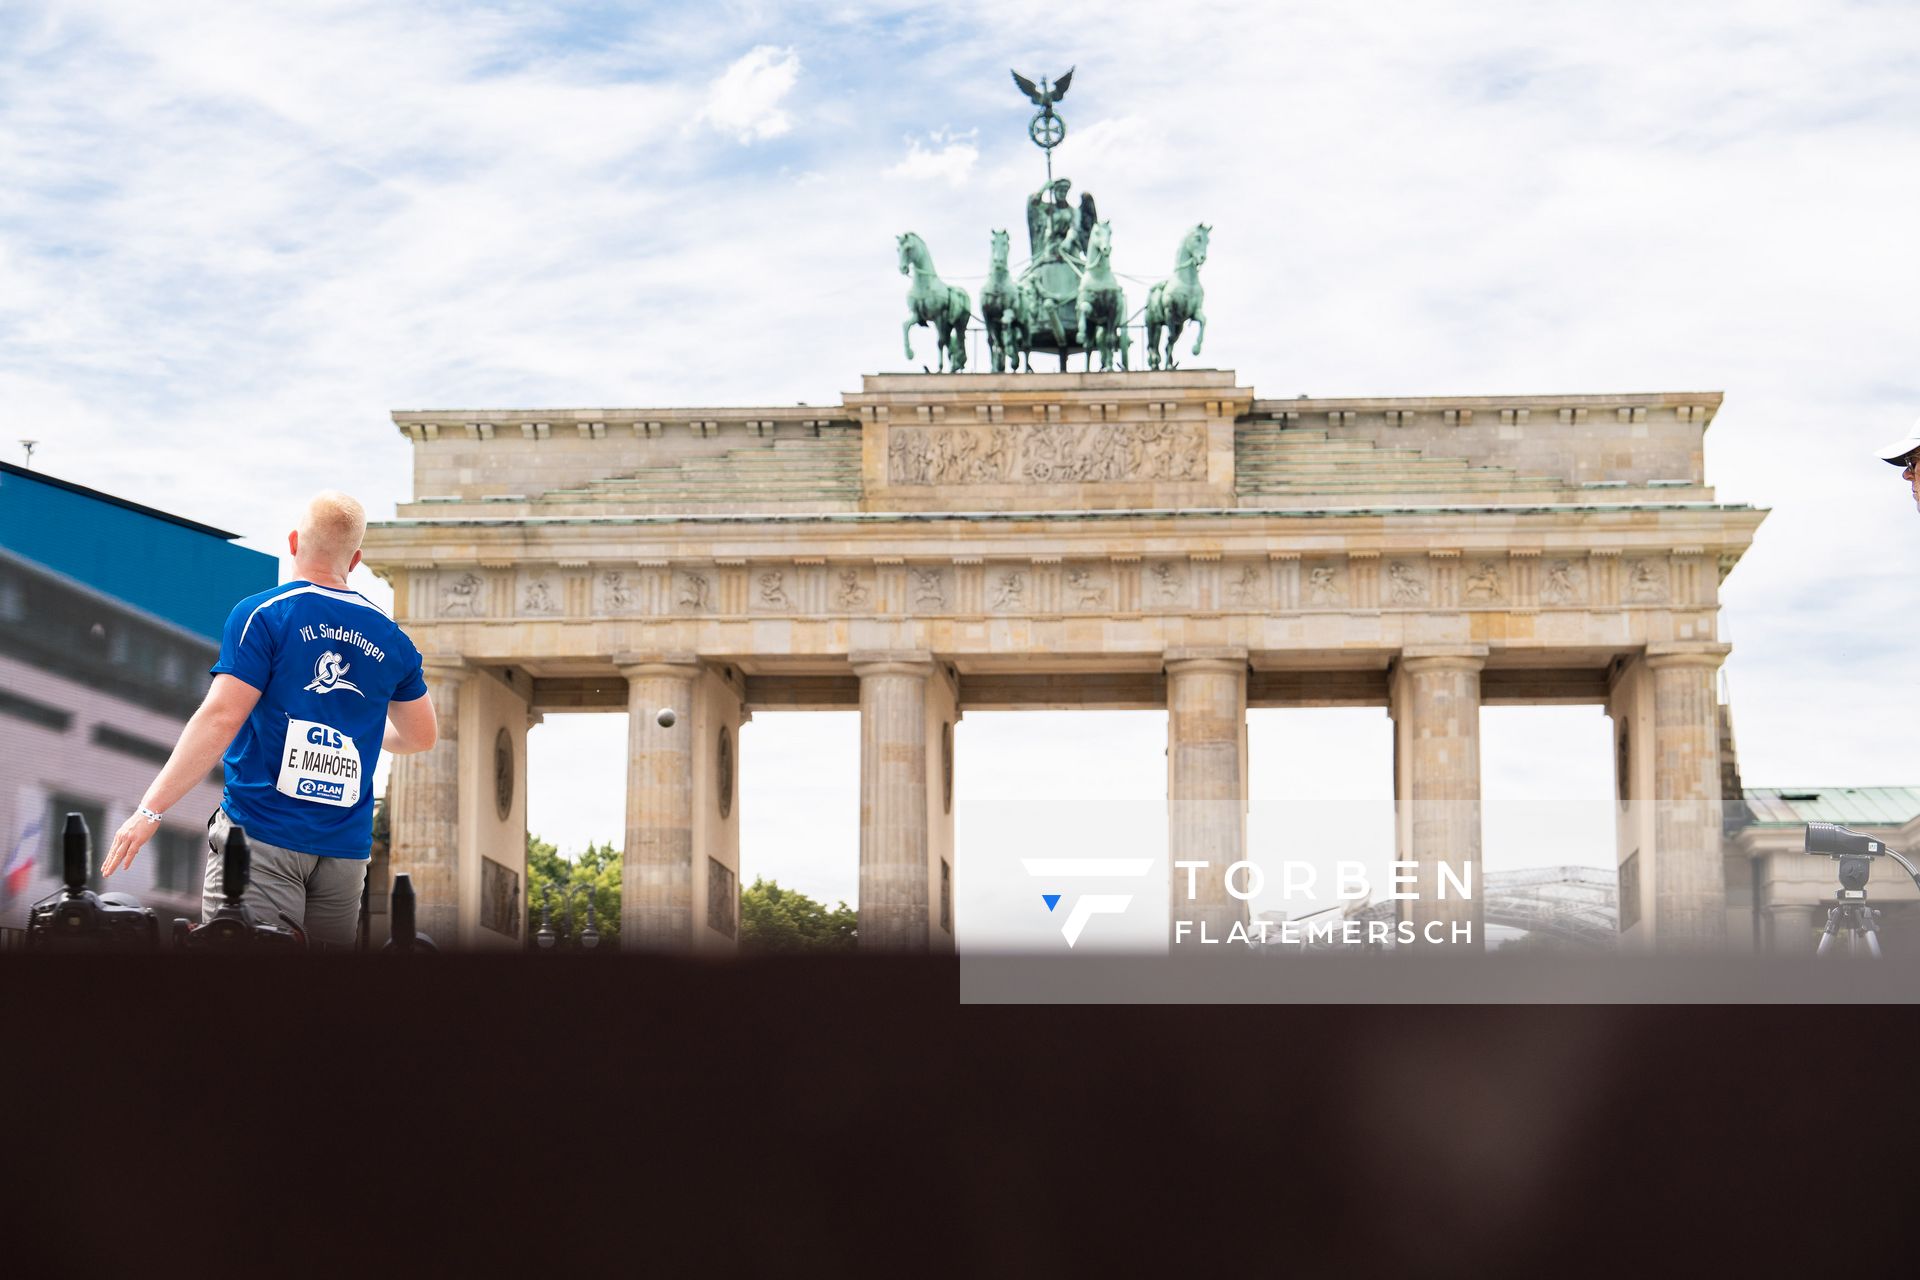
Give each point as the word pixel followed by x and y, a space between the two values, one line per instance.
pixel 894 804
pixel 1206 791
pixel 656 904
pixel 1689 875
pixel 424 825
pixel 943 719
pixel 1436 711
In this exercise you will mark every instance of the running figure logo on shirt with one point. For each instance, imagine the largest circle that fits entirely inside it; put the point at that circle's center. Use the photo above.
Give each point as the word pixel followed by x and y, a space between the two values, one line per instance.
pixel 330 675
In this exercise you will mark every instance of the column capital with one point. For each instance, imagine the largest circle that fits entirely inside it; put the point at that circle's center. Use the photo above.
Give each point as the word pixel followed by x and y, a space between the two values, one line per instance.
pixel 1187 658
pixel 640 666
pixel 1442 657
pixel 892 662
pixel 1707 654
pixel 445 669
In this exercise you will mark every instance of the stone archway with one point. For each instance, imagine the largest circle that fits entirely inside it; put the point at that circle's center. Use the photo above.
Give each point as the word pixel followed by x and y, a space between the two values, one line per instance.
pixel 1133 540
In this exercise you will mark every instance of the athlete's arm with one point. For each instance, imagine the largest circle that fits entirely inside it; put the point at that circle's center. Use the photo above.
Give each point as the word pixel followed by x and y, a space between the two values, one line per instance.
pixel 411 727
pixel 228 703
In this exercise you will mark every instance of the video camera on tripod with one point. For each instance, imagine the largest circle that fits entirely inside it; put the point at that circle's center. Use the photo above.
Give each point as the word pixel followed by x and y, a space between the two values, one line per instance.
pixel 78 919
pixel 234 927
pixel 1854 851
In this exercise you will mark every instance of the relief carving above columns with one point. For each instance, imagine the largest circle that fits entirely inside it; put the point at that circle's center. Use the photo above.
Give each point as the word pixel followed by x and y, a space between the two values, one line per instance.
pixel 1051 453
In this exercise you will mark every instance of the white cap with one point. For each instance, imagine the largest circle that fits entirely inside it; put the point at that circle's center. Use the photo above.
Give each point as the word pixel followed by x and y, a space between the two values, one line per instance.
pixel 1905 445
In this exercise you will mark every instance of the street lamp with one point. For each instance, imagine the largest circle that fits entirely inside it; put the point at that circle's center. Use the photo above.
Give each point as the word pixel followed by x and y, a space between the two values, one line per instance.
pixel 546 939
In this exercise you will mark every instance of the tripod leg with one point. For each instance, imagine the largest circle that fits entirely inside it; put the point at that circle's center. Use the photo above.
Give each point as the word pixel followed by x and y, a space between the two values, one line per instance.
pixel 1826 934
pixel 1870 927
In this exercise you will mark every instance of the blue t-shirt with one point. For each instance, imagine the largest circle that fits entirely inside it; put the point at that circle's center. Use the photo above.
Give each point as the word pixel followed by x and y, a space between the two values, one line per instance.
pixel 326 663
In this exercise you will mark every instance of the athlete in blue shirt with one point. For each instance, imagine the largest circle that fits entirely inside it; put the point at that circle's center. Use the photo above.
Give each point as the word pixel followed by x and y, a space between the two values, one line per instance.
pixel 314 681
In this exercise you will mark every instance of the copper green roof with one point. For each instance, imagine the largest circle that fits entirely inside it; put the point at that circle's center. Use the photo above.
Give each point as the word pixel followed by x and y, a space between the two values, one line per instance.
pixel 1102 514
pixel 1848 806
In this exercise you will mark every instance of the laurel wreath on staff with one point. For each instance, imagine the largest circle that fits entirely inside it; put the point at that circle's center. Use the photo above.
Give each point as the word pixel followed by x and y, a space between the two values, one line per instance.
pixel 1046 129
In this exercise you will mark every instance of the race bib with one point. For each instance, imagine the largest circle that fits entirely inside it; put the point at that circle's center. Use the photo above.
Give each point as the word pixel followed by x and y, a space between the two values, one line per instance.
pixel 322 765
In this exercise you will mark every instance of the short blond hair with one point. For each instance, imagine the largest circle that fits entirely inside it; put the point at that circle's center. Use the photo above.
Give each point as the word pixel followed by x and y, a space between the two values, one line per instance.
pixel 331 528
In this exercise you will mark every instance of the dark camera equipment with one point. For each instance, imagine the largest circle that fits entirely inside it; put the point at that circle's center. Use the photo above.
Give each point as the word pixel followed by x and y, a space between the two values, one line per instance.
pixel 403 936
pixel 1854 851
pixel 235 927
pixel 76 918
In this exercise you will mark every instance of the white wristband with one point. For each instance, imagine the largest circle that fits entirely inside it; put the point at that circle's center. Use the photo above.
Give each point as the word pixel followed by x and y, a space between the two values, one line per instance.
pixel 149 814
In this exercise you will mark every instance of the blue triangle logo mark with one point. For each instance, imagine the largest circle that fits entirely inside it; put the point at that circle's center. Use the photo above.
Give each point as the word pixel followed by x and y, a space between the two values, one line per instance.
pixel 1051 899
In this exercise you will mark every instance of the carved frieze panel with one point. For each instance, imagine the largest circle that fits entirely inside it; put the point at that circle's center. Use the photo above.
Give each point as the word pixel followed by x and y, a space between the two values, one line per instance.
pixel 929 589
pixel 774 590
pixel 1009 588
pixel 1166 584
pixel 461 594
pixel 1245 585
pixel 540 593
pixel 1646 582
pixel 618 593
pixel 1562 581
pixel 851 589
pixel 1202 585
pixel 1086 587
pixel 1326 585
pixel 1484 583
pixel 1407 583
pixel 1049 453
pixel 693 591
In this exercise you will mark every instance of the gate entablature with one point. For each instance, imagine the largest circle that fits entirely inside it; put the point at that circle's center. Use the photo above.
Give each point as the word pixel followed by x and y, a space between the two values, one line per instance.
pixel 1545 588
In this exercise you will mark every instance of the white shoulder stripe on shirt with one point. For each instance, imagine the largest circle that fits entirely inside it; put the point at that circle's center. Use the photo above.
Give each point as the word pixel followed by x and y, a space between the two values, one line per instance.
pixel 344 597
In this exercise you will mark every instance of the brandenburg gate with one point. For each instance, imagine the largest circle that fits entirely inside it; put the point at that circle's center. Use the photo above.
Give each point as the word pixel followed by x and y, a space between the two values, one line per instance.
pixel 939 542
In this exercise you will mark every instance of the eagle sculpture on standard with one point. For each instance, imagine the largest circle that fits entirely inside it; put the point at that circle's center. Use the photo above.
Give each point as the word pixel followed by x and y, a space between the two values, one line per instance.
pixel 1055 233
pixel 1044 98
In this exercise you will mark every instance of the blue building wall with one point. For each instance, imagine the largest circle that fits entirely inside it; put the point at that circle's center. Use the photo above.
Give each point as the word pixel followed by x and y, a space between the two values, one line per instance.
pixel 187 573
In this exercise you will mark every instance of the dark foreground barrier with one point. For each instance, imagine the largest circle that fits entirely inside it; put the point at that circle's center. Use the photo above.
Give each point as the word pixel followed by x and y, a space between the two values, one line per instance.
pixel 291 1114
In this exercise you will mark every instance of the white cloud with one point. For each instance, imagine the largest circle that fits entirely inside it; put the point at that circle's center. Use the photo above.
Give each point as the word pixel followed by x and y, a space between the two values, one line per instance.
pixel 745 100
pixel 1130 139
pixel 947 157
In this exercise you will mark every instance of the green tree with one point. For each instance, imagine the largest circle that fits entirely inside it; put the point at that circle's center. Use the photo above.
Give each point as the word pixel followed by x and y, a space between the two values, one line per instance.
pixel 598 866
pixel 784 921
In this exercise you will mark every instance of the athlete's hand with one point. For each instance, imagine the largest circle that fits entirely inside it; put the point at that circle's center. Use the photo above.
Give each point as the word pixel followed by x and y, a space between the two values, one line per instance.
pixel 133 833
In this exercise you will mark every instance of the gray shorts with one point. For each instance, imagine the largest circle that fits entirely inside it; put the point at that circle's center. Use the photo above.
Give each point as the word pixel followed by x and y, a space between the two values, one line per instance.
pixel 320 896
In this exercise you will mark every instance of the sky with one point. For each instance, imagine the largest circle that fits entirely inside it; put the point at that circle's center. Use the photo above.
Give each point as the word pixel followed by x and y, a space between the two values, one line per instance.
pixel 234 237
